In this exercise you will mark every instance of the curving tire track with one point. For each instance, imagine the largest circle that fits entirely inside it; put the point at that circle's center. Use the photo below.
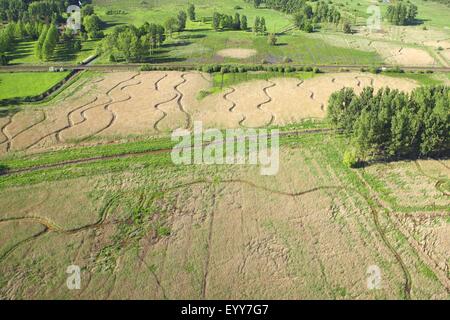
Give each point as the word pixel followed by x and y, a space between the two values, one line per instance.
pixel 10 139
pixel 180 104
pixel 7 141
pixel 159 80
pixel 44 118
pixel 155 125
pixel 259 106
pixel 225 97
pixel 108 105
pixel 57 132
pixel 71 122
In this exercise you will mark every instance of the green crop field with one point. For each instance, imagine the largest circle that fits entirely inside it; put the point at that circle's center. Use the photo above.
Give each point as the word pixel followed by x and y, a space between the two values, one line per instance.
pixel 24 84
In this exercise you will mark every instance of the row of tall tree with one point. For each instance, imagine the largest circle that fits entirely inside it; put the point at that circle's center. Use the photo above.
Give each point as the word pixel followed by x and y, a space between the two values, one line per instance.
pixel 401 13
pixel 393 124
pixel 133 44
pixel 223 21
pixel 259 26
pixel 14 32
pixel 45 46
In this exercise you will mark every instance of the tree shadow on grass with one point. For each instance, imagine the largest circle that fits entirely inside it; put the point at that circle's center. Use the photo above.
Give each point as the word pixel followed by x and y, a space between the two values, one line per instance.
pixel 192 36
pixel 3 169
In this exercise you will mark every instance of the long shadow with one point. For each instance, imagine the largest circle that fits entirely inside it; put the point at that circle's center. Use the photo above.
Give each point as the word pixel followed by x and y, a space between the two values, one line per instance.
pixel 111 24
pixel 192 36
pixel 176 44
pixel 444 155
pixel 164 59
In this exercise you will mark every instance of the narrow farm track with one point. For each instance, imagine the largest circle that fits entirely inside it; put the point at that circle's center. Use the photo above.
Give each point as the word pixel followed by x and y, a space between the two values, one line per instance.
pixel 132 154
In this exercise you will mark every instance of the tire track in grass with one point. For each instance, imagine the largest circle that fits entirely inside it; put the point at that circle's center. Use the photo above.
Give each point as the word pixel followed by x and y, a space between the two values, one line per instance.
pixel 113 114
pixel 56 132
pixel 234 105
pixel 7 141
pixel 180 105
pixel 45 116
pixel 159 80
pixel 155 125
pixel 259 107
pixel 269 100
pixel 407 286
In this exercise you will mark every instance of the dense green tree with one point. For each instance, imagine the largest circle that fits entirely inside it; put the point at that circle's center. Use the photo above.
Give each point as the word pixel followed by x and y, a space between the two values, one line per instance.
pixel 3 59
pixel 237 21
pixel 394 124
pixel 87 10
pixel 93 26
pixel 50 42
pixel 244 23
pixel 401 13
pixel 40 42
pixel 182 17
pixel 262 26
pixel 216 21
pixel 257 25
pixel 272 39
pixel 191 12
pixel 171 25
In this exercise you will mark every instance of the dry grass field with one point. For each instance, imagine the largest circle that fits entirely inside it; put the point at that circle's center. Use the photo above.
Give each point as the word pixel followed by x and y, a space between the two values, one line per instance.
pixel 196 232
pixel 121 104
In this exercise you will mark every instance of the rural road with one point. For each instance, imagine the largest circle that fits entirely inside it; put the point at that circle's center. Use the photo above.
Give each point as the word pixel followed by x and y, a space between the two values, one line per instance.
pixel 136 66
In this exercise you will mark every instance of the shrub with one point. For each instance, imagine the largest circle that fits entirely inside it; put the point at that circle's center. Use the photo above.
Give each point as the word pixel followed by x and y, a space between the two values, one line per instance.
pixel 350 160
pixel 224 70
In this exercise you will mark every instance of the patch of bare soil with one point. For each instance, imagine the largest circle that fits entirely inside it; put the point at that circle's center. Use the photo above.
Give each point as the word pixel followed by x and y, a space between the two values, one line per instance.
pixel 237 53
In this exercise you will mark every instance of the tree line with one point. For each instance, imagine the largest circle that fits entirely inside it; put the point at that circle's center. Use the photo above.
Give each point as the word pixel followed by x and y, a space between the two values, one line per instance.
pixel 401 13
pixel 31 10
pixel 391 124
pixel 223 21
